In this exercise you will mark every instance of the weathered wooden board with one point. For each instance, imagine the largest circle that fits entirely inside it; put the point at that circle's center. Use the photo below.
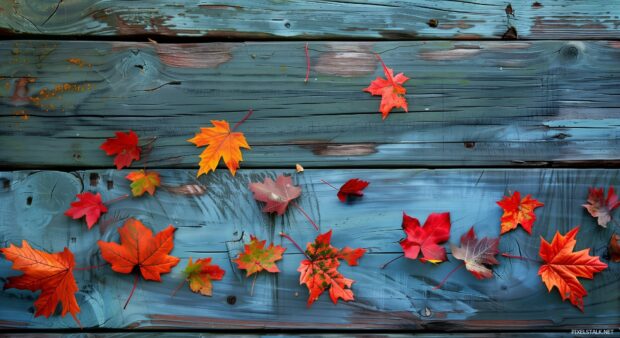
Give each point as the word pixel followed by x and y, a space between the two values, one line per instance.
pixel 317 19
pixel 471 103
pixel 280 333
pixel 400 297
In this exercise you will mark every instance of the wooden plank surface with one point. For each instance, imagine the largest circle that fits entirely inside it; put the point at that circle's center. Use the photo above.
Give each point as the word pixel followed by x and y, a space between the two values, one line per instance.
pixel 471 103
pixel 400 297
pixel 316 19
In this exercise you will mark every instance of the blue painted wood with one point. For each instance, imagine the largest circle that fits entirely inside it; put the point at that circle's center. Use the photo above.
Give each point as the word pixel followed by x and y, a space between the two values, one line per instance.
pixel 301 19
pixel 398 297
pixel 471 103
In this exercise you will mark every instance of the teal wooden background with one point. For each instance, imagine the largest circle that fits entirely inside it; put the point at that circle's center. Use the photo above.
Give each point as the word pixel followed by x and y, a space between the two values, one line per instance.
pixel 540 115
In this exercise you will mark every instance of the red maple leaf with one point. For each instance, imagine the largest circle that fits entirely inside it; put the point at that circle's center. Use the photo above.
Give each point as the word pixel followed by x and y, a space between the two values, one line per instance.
pixel 52 274
pixel 276 194
pixel 477 255
pixel 124 146
pixel 320 271
pixel 600 207
pixel 352 187
pixel 426 239
pixel 518 211
pixel 562 266
pixel 391 90
pixel 89 205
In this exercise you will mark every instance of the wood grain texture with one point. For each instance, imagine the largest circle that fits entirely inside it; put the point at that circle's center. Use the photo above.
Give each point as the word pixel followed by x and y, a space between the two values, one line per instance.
pixel 316 19
pixel 400 297
pixel 471 103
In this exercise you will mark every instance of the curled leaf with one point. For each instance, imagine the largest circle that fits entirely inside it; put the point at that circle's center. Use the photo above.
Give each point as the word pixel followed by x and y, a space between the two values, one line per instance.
pixel 352 187
pixel 600 207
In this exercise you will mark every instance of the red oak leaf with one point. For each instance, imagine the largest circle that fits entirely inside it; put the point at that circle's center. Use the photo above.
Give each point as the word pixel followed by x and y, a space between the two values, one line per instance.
pixel 391 90
pixel 89 205
pixel 478 255
pixel 518 211
pixel 436 230
pixel 562 266
pixel 276 194
pixel 600 207
pixel 52 274
pixel 352 187
pixel 256 258
pixel 320 271
pixel 124 146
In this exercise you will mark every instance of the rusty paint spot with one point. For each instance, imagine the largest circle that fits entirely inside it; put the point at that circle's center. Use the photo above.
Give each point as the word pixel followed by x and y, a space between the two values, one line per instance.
pixel 94 179
pixel 433 23
pixel 468 37
pixel 456 53
pixel 347 60
pixel 45 94
pixel 353 149
pixel 510 34
pixel 78 62
pixel 195 55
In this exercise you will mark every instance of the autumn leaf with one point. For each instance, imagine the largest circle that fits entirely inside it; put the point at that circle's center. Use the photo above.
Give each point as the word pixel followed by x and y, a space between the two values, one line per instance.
pixel 426 239
pixel 319 271
pixel 477 255
pixel 562 266
pixel 199 274
pixel 352 187
pixel 143 181
pixel 600 207
pixel 614 248
pixel 518 211
pixel 50 273
pixel 391 90
pixel 276 194
pixel 89 205
pixel 222 143
pixel 256 258
pixel 124 146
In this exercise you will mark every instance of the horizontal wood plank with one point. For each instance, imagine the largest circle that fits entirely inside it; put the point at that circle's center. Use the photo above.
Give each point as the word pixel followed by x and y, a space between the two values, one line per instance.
pixel 471 103
pixel 399 297
pixel 317 19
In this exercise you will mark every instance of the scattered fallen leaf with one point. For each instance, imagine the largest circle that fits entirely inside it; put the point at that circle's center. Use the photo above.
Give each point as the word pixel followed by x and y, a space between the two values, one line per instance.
pixel 320 271
pixel 426 239
pixel 124 146
pixel 199 274
pixel 478 255
pixel 299 168
pixel 276 194
pixel 518 211
pixel 562 266
pixel 391 90
pixel 256 258
pixel 614 248
pixel 50 273
pixel 352 187
pixel 89 205
pixel 600 207
pixel 143 181
pixel 222 143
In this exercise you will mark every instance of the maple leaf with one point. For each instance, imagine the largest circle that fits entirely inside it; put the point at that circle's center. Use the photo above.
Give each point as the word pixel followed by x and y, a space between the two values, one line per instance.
pixel 600 207
pixel 221 143
pixel 139 248
pixel 614 248
pixel 477 255
pixel 276 194
pixel 51 273
pixel 143 181
pixel 89 205
pixel 257 258
pixel 352 187
pixel 320 271
pixel 562 266
pixel 199 274
pixel 124 146
pixel 426 239
pixel 391 90
pixel 518 211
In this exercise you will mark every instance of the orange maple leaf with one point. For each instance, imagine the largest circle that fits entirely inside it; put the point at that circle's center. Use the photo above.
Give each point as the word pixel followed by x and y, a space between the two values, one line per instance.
pixel 143 181
pixel 562 266
pixel 199 274
pixel 51 273
pixel 391 90
pixel 518 211
pixel 256 258
pixel 222 143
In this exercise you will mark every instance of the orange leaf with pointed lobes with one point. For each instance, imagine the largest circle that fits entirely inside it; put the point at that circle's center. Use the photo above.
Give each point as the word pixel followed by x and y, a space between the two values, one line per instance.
pixel 256 258
pixel 222 143
pixel 201 273
pixel 391 90
pixel 143 181
pixel 518 211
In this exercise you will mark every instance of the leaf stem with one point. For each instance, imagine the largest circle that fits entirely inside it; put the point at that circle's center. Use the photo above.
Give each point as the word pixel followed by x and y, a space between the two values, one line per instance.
pixel 247 116
pixel 119 198
pixel 253 282
pixel 306 215
pixel 448 276
pixel 294 243
pixel 329 185
pixel 520 257
pixel 135 283
pixel 174 292
pixel 390 261
pixel 307 63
